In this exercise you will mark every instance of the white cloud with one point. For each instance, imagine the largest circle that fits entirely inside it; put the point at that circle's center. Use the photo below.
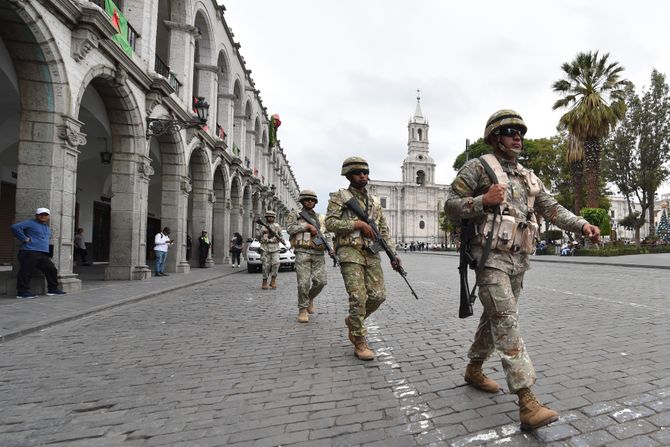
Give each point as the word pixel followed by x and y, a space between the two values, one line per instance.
pixel 342 75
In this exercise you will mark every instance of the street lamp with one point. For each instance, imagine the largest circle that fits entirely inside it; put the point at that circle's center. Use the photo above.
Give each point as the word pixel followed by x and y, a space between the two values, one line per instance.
pixel 158 126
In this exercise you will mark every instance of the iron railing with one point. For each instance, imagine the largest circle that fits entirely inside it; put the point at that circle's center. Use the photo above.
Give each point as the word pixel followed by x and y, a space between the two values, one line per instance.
pixel 164 70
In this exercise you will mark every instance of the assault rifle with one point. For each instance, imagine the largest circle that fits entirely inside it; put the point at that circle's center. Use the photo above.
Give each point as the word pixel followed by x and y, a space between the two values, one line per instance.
pixel 319 236
pixel 271 232
pixel 468 296
pixel 466 261
pixel 380 243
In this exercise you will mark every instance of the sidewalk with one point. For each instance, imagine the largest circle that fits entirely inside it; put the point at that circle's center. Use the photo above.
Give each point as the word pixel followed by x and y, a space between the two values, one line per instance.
pixel 655 261
pixel 21 317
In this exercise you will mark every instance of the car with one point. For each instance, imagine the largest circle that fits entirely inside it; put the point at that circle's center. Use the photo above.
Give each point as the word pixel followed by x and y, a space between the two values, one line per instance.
pixel 286 255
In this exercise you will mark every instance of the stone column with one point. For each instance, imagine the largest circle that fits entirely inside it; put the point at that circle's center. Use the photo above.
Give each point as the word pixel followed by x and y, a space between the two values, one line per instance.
pixel 207 82
pixel 182 44
pixel 201 216
pixel 62 226
pixel 129 212
pixel 220 234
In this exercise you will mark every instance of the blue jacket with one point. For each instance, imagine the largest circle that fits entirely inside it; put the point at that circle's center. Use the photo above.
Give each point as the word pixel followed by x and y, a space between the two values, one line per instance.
pixel 39 235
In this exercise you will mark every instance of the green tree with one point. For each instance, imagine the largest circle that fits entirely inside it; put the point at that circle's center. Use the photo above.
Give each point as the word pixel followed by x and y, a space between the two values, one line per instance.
pixel 653 122
pixel 638 150
pixel 593 92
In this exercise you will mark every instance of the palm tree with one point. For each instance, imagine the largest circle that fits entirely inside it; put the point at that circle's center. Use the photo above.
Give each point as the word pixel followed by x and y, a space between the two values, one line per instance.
pixel 593 92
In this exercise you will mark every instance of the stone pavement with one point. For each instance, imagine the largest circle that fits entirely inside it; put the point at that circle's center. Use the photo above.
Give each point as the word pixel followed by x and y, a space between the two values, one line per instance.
pixel 224 363
pixel 20 317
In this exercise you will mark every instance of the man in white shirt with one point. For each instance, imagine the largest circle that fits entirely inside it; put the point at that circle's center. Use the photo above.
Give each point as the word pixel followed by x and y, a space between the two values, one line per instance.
pixel 161 243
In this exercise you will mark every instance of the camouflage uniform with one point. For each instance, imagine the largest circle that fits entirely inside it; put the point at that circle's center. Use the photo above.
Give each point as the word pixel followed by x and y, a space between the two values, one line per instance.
pixel 501 280
pixel 270 247
pixel 361 270
pixel 310 264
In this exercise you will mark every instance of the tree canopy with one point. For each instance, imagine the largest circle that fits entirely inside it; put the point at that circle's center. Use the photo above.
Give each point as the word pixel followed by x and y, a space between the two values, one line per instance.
pixel 592 91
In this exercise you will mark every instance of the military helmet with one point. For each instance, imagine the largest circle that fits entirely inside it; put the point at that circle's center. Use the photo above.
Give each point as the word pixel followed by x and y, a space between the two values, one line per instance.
pixel 307 194
pixel 503 118
pixel 270 213
pixel 354 164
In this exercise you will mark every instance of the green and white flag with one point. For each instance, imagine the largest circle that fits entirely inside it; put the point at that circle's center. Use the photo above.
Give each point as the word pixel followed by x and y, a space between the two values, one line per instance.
pixel 119 22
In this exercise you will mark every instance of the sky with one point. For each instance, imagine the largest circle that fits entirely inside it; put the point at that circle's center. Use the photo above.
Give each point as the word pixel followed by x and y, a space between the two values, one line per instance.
pixel 343 75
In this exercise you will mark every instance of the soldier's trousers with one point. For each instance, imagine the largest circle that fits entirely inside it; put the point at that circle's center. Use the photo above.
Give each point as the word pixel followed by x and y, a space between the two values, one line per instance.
pixel 310 269
pixel 498 328
pixel 270 262
pixel 365 286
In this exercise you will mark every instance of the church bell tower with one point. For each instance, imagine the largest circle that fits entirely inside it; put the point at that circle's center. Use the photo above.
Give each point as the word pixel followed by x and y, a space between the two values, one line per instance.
pixel 418 167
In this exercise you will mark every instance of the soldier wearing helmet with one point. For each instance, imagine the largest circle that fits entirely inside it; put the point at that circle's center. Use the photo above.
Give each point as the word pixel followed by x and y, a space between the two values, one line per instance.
pixel 310 266
pixel 502 216
pixel 270 250
pixel 360 266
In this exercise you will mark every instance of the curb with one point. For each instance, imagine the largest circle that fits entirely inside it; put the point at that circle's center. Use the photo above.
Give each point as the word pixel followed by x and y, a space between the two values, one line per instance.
pixel 20 332
pixel 574 260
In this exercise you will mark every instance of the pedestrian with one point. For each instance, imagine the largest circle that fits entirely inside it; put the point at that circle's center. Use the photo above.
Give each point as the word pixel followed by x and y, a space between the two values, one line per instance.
pixel 270 249
pixel 189 247
pixel 80 247
pixel 203 248
pixel 34 235
pixel 509 207
pixel 162 242
pixel 310 264
pixel 360 266
pixel 236 245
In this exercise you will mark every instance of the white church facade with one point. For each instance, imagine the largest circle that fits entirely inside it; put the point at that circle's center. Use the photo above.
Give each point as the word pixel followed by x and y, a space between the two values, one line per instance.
pixel 412 206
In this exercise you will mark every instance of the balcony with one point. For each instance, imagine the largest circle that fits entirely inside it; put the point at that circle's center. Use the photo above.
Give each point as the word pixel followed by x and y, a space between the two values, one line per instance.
pixel 164 70
pixel 128 41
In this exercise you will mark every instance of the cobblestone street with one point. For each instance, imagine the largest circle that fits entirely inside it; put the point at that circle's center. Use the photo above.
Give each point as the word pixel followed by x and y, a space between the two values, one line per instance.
pixel 226 363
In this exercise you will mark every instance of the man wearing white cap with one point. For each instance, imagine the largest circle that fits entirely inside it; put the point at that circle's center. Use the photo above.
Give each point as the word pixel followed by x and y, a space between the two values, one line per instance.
pixel 35 235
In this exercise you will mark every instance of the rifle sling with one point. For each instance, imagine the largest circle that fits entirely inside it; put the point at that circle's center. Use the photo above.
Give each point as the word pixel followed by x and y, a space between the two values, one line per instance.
pixel 489 237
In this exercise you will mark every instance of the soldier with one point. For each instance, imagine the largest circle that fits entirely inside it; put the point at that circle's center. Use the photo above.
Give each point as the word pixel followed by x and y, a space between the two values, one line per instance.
pixel 310 266
pixel 508 207
pixel 270 248
pixel 361 268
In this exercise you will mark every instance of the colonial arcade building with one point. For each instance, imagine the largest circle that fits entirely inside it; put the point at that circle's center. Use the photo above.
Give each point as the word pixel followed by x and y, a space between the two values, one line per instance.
pixel 98 122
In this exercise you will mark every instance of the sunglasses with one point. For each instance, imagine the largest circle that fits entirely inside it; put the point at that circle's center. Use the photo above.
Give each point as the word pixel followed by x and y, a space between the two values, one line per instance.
pixel 309 200
pixel 360 171
pixel 510 132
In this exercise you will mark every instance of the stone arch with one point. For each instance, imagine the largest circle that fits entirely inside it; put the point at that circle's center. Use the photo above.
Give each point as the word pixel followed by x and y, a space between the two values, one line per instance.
pixel 130 171
pixel 225 104
pixel 43 134
pixel 236 207
pixel 248 134
pixel 169 189
pixel 239 123
pixel 258 150
pixel 203 54
pixel 201 197
pixel 220 234
pixel 248 215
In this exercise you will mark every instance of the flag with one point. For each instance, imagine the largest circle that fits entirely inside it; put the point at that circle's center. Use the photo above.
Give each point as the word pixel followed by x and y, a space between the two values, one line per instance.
pixel 119 22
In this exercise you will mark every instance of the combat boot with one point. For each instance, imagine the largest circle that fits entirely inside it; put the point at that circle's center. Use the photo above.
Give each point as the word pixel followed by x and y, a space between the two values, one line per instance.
pixel 302 316
pixel 351 336
pixel 273 282
pixel 361 349
pixel 265 284
pixel 476 377
pixel 533 414
pixel 311 309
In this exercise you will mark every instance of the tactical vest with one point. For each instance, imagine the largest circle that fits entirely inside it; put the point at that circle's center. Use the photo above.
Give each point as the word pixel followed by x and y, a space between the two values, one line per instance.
pixel 355 238
pixel 517 234
pixel 305 240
